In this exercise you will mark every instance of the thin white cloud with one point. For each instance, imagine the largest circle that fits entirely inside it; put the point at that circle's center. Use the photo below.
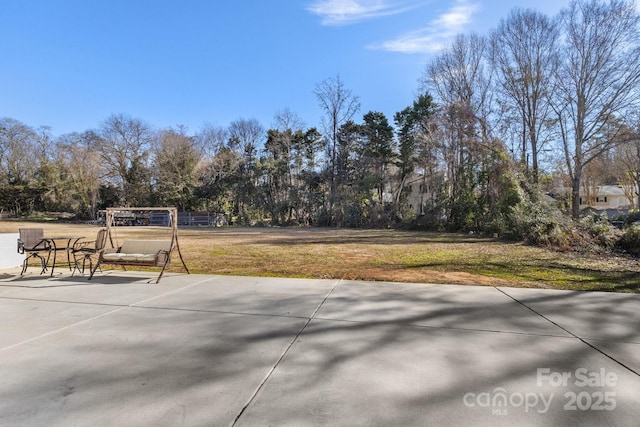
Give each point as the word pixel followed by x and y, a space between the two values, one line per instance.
pixel 341 12
pixel 436 35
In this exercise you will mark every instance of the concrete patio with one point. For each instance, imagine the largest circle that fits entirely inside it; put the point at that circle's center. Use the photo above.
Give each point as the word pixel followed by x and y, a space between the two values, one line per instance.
pixel 200 350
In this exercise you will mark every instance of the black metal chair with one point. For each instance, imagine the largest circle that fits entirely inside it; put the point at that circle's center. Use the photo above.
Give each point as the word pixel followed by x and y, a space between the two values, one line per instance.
pixel 33 244
pixel 85 250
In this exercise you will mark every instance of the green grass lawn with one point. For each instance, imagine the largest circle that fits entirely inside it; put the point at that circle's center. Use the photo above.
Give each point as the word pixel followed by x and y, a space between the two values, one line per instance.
pixel 381 255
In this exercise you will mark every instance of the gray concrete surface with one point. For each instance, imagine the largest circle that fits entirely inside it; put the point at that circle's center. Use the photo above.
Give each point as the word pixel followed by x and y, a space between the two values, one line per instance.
pixel 199 350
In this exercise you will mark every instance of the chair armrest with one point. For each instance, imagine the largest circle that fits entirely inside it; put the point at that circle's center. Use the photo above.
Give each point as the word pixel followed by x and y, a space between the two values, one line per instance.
pixel 83 244
pixel 109 250
pixel 162 256
pixel 42 245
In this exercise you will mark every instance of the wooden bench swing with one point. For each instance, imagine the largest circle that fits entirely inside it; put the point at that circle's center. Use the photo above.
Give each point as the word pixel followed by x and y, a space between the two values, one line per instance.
pixel 139 252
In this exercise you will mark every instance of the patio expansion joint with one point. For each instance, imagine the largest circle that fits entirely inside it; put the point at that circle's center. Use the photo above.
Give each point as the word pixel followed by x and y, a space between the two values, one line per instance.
pixel 583 340
pixel 446 328
pixel 200 310
pixel 608 340
pixel 89 319
pixel 102 304
pixel 64 328
pixel 283 355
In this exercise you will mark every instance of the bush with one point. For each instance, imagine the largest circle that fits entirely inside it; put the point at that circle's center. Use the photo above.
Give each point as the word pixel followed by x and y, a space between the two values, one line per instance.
pixel 631 217
pixel 538 222
pixel 594 233
pixel 630 241
pixel 432 220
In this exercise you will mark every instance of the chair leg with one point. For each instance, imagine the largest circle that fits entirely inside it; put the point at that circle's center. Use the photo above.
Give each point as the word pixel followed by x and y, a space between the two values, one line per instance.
pixel 97 266
pixel 76 266
pixel 93 270
pixel 43 263
pixel 82 269
pixel 164 267
pixel 90 259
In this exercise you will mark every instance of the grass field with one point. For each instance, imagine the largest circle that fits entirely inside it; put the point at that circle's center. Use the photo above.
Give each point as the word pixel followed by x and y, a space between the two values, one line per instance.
pixel 382 255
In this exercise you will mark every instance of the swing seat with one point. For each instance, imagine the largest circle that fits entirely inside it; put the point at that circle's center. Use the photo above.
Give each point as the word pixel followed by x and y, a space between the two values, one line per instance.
pixel 139 252
pixel 142 253
pixel 152 252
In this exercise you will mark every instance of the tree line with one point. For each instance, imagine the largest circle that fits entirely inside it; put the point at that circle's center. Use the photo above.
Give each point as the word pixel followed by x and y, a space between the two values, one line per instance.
pixel 541 102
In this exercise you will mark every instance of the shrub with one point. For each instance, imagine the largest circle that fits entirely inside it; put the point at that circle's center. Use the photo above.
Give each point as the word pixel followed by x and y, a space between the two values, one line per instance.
pixel 631 217
pixel 538 222
pixel 630 240
pixel 433 219
pixel 594 233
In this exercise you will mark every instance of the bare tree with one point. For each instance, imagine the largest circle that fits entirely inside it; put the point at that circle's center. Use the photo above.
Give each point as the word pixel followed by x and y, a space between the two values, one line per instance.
pixel 18 152
pixel 461 84
pixel 287 119
pixel 523 52
pixel 339 106
pixel 211 139
pixel 18 165
pixel 290 128
pixel 81 167
pixel 124 145
pixel 246 135
pixel 176 159
pixel 596 81
pixel 629 156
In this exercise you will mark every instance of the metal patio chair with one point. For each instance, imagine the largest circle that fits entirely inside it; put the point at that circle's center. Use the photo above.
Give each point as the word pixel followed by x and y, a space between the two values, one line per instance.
pixel 33 244
pixel 85 250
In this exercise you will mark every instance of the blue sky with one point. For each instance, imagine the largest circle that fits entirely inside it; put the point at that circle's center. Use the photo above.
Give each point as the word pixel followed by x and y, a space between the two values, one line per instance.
pixel 70 64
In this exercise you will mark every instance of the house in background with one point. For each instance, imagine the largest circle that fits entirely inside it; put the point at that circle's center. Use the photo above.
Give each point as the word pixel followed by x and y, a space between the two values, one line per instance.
pixel 602 197
pixel 418 192
pixel 610 199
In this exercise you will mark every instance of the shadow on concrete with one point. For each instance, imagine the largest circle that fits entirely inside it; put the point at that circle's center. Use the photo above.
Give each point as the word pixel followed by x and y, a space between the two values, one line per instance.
pixel 368 354
pixel 436 366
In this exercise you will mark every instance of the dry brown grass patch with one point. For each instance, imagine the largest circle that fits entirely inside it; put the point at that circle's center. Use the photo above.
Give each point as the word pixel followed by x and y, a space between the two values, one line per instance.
pixel 384 255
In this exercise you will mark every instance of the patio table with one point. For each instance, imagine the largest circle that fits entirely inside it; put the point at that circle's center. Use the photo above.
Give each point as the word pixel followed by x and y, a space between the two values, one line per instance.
pixel 62 243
